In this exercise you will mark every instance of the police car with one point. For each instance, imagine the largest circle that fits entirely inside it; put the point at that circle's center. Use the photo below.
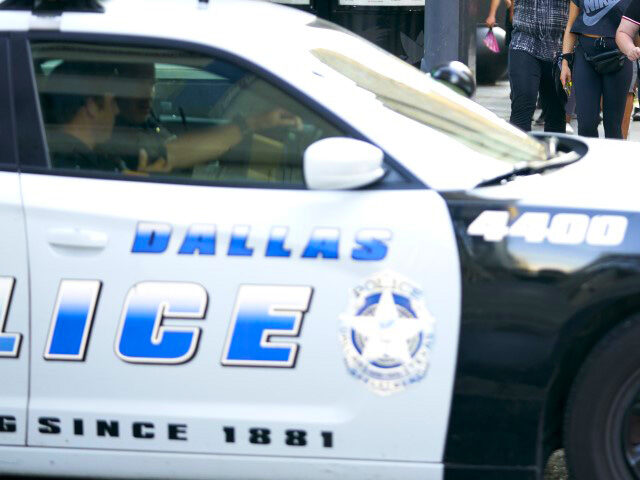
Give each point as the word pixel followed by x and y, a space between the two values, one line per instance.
pixel 239 242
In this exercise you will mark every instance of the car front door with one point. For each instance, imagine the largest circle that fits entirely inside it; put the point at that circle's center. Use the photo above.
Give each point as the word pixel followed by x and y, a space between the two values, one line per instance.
pixel 223 307
pixel 14 279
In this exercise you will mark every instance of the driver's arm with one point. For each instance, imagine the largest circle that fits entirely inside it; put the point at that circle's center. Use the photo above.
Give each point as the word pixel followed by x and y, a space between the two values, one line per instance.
pixel 193 148
pixel 198 147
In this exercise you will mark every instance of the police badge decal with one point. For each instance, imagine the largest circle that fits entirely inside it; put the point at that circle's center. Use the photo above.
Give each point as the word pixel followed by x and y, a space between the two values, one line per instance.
pixel 387 333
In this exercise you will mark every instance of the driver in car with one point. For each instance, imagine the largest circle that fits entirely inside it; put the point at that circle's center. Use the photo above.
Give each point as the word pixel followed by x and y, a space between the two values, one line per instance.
pixel 80 115
pixel 139 135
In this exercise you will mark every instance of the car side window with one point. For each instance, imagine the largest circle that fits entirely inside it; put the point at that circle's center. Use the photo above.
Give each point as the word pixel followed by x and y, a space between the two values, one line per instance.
pixel 169 114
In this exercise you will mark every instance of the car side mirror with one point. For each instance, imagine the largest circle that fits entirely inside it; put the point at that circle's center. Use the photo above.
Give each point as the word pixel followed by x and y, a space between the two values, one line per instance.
pixel 340 163
pixel 457 76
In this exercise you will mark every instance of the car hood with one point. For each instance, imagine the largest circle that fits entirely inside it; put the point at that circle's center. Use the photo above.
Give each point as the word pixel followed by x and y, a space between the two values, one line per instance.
pixel 606 178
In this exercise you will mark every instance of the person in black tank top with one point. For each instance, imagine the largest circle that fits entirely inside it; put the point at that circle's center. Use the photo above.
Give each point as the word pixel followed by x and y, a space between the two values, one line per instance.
pixel 592 26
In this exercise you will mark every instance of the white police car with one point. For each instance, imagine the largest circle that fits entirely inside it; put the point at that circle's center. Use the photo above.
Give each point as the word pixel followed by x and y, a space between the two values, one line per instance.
pixel 239 242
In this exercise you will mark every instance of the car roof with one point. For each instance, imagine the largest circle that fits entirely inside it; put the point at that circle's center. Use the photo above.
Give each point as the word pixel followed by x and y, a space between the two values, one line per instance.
pixel 259 31
pixel 188 20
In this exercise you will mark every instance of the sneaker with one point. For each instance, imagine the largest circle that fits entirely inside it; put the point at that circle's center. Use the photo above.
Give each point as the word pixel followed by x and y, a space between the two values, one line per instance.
pixel 540 120
pixel 636 114
pixel 570 129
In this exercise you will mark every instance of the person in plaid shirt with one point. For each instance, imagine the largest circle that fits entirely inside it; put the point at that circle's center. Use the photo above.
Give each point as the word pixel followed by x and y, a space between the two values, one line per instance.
pixel 538 27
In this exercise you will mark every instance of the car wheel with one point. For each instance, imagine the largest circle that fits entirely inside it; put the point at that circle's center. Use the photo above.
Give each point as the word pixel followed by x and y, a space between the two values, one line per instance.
pixel 602 422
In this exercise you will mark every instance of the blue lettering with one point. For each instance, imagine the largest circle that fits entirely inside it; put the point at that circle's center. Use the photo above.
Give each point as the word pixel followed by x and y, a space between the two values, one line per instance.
pixel 275 246
pixel 262 312
pixel 200 239
pixel 238 244
pixel 323 243
pixel 72 318
pixel 9 342
pixel 142 337
pixel 151 238
pixel 372 245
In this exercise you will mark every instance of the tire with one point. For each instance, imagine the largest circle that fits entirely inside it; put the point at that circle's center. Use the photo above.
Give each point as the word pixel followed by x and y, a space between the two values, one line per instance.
pixel 596 419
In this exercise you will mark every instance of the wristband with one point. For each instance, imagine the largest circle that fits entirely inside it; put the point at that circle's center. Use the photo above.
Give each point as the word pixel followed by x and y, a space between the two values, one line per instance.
pixel 568 57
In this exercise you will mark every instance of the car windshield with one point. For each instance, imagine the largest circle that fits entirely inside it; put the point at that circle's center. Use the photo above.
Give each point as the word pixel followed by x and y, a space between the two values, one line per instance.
pixel 409 92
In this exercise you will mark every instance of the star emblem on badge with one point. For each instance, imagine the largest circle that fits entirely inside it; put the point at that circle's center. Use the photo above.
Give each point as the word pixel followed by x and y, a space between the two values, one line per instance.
pixel 387 333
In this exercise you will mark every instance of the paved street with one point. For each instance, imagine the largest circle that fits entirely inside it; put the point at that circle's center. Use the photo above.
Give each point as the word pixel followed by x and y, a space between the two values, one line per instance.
pixel 556 469
pixel 496 98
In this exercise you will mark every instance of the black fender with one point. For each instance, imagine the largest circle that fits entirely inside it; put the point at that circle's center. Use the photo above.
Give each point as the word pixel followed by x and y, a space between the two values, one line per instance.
pixel 530 316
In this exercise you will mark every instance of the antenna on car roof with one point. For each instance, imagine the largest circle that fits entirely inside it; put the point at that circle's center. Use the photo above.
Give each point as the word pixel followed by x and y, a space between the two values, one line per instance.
pixel 53 6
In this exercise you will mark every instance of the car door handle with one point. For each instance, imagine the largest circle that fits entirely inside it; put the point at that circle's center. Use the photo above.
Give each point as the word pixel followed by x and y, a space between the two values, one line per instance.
pixel 77 238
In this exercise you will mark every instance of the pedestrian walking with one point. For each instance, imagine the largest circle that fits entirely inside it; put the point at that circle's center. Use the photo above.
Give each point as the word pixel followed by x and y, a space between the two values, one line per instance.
pixel 601 75
pixel 628 109
pixel 627 33
pixel 538 27
pixel 508 18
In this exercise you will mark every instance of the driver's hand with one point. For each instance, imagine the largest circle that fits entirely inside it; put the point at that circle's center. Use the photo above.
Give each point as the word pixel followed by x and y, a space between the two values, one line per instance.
pixel 159 166
pixel 278 117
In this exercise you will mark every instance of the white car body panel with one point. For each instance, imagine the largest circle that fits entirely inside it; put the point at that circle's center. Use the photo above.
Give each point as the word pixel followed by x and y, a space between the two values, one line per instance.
pixel 14 371
pixel 317 395
pixel 606 179
pixel 149 465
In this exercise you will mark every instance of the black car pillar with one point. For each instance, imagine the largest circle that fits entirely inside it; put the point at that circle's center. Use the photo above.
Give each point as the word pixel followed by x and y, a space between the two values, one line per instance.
pixel 450 28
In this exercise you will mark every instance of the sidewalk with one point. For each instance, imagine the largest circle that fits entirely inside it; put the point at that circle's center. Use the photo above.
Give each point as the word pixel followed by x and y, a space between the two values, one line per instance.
pixel 496 98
